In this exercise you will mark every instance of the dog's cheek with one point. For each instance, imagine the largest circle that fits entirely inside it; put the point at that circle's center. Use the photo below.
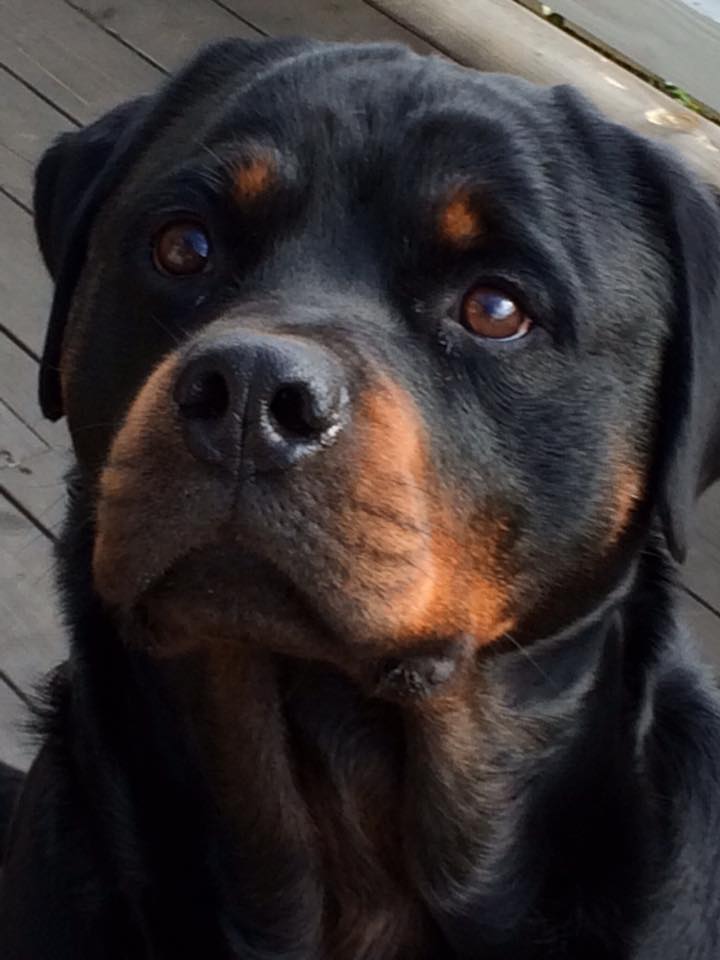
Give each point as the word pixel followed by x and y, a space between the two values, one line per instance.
pixel 626 495
pixel 155 501
pixel 421 568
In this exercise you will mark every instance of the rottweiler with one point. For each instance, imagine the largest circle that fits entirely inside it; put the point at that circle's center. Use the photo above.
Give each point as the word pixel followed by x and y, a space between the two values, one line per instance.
pixel 391 385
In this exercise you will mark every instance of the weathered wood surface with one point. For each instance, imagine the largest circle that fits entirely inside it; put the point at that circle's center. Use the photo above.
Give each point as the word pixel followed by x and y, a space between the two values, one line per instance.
pixel 27 126
pixel 673 39
pixel 15 744
pixel 169 31
pixel 62 62
pixel 65 58
pixel 24 284
pixel 31 635
pixel 326 19
pixel 702 568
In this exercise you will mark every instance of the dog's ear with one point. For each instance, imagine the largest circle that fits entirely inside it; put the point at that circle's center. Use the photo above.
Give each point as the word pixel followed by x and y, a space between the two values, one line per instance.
pixel 690 410
pixel 73 178
pixel 66 175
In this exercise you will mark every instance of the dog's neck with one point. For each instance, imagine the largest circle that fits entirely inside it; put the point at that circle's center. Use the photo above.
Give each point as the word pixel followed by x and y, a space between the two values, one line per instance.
pixel 307 777
pixel 333 825
pixel 354 828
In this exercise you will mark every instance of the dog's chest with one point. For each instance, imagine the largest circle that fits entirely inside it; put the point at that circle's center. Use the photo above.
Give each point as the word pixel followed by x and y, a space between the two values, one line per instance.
pixel 308 777
pixel 348 758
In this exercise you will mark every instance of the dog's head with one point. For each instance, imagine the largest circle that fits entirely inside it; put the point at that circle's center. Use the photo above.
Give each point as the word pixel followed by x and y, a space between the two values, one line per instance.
pixel 364 352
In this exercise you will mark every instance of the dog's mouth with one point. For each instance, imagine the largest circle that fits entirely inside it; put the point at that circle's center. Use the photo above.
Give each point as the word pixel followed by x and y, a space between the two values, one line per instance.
pixel 222 593
pixel 342 594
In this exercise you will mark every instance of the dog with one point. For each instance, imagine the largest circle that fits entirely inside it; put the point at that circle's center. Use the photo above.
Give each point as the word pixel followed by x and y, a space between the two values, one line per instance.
pixel 391 386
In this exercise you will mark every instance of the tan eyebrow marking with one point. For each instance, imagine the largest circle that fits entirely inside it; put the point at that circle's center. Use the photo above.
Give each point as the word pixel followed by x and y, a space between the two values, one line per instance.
pixel 459 223
pixel 254 176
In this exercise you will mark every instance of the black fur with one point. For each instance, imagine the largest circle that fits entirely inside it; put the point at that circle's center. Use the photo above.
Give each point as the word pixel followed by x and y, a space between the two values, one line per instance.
pixel 555 794
pixel 10 784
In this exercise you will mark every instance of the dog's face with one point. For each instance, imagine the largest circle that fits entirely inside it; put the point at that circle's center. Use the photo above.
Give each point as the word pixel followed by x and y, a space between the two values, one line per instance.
pixel 366 353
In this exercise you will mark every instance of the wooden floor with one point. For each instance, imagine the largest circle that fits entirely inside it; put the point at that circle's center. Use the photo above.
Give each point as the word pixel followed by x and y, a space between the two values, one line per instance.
pixel 63 62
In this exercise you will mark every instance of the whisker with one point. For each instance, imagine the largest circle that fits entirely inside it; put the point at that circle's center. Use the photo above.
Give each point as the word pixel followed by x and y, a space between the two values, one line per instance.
pixel 396 519
pixel 528 656
pixel 166 330
pixel 100 423
pixel 125 463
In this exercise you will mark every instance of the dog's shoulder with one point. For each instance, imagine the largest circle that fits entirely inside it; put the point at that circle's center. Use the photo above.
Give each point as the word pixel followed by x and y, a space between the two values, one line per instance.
pixel 680 757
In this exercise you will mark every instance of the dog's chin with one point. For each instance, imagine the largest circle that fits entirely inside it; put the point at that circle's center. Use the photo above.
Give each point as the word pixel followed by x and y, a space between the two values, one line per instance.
pixel 223 594
pixel 226 596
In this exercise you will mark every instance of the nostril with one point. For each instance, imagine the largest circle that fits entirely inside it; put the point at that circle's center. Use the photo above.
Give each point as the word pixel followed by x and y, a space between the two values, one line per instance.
pixel 293 413
pixel 206 397
pixel 262 402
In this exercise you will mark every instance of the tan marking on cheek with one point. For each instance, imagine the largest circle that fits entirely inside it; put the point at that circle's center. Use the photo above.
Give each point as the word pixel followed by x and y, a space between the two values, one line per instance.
pixel 626 495
pixel 146 430
pixel 421 572
pixel 254 178
pixel 147 418
pixel 114 483
pixel 389 510
pixel 471 576
pixel 459 223
pixel 489 602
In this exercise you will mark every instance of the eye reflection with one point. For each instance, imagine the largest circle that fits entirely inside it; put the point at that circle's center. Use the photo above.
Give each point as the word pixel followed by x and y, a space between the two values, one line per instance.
pixel 181 248
pixel 493 315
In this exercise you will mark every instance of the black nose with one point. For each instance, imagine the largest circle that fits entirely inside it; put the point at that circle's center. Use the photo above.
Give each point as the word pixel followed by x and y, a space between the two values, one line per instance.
pixel 264 400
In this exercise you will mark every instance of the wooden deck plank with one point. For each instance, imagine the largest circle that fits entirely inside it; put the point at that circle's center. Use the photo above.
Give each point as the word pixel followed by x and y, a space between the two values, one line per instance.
pixel 31 637
pixel 32 472
pixel 25 287
pixel 18 376
pixel 326 20
pixel 165 31
pixel 670 38
pixel 702 568
pixel 15 745
pixel 27 126
pixel 704 629
pixel 68 59
pixel 707 524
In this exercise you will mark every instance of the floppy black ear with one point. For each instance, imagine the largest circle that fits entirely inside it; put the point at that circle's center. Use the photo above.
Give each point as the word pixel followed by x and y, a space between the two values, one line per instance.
pixel 690 431
pixel 71 182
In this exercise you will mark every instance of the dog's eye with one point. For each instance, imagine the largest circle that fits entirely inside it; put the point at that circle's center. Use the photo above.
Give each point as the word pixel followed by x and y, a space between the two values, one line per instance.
pixel 181 248
pixel 491 314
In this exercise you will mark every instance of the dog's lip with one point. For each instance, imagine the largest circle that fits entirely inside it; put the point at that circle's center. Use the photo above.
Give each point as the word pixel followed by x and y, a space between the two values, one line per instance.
pixel 378 669
pixel 320 639
pixel 224 598
pixel 201 560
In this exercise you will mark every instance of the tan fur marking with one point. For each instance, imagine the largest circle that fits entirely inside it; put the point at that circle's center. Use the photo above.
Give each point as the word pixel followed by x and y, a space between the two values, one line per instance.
pixel 445 579
pixel 147 434
pixel 254 177
pixel 459 223
pixel 627 494
pixel 156 502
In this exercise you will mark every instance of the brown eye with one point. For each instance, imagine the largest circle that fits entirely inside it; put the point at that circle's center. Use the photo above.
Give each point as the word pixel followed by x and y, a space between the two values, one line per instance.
pixel 491 314
pixel 181 249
